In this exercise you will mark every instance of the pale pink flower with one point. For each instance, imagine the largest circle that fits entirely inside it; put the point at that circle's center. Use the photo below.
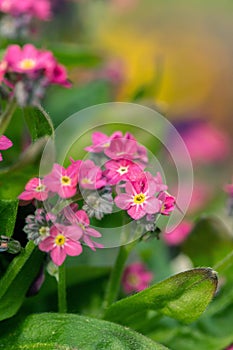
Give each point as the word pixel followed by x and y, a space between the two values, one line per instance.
pixel 40 9
pixel 136 277
pixel 90 176
pixel 121 170
pixel 62 181
pixel 139 198
pixel 34 189
pixel 5 143
pixel 168 203
pixel 63 241
pixel 81 219
pixel 101 141
pixel 179 234
pixel 122 148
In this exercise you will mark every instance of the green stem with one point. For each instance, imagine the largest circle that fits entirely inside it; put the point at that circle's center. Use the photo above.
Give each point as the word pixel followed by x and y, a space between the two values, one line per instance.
pixel 114 282
pixel 62 306
pixel 6 116
pixel 224 263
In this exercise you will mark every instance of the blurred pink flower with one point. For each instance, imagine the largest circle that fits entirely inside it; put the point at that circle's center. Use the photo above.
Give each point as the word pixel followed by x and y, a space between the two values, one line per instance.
pixel 229 189
pixel 139 198
pixel 90 176
pixel 101 141
pixel 40 9
pixel 62 181
pixel 5 143
pixel 121 148
pixel 136 278
pixel 204 141
pixel 62 241
pixel 179 234
pixel 34 189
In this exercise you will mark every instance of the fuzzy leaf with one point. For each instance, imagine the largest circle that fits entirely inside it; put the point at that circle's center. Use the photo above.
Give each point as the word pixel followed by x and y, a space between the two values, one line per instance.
pixel 38 122
pixel 17 279
pixel 184 297
pixel 69 332
pixel 8 212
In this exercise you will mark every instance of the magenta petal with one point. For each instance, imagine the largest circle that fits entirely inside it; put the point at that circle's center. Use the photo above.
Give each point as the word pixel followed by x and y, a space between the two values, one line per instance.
pixel 58 255
pixel 73 248
pixel 26 196
pixel 74 232
pixel 5 143
pixel 90 231
pixel 123 201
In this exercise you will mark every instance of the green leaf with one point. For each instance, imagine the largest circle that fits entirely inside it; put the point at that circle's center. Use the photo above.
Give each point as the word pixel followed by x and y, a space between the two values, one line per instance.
pixel 184 297
pixel 17 280
pixel 38 122
pixel 209 242
pixel 25 168
pixel 69 332
pixel 8 212
pixel 72 55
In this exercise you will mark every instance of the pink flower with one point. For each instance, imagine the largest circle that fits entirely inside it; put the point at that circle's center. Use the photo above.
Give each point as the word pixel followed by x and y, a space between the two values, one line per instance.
pixel 139 198
pixel 121 170
pixel 101 141
pixel 90 176
pixel 34 189
pixel 63 240
pixel 168 203
pixel 81 219
pixel 5 143
pixel 40 9
pixel 121 148
pixel 62 181
pixel 136 278
pixel 179 234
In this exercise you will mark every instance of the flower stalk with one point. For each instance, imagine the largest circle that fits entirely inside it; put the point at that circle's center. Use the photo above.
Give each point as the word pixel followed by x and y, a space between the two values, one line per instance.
pixel 62 303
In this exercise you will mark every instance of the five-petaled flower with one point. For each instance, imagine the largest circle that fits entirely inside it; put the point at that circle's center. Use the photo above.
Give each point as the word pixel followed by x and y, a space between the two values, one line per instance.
pixel 63 241
pixel 62 181
pixel 34 189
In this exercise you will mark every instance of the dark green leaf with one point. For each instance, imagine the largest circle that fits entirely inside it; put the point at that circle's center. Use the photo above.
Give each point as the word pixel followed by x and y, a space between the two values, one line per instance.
pixel 8 212
pixel 17 279
pixel 38 122
pixel 184 297
pixel 71 332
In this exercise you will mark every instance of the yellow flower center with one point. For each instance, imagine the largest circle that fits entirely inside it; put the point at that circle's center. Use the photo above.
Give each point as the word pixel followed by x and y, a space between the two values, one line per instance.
pixel 133 280
pixel 66 180
pixel 3 65
pixel 106 145
pixel 123 170
pixel 40 188
pixel 27 64
pixel 86 181
pixel 60 240
pixel 139 198
pixel 44 231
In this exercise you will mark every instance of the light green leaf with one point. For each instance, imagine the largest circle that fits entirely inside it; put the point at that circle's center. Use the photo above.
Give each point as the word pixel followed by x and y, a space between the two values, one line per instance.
pixel 184 297
pixel 50 331
pixel 38 122
pixel 8 212
pixel 15 283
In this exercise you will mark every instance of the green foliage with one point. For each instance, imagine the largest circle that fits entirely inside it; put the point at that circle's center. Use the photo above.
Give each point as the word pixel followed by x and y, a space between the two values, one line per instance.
pixel 38 122
pixel 184 297
pixel 17 280
pixel 8 212
pixel 53 331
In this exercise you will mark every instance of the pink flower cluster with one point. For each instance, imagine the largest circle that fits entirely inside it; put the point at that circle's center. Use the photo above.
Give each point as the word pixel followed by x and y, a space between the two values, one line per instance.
pixel 136 277
pixel 27 72
pixel 40 9
pixel 122 175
